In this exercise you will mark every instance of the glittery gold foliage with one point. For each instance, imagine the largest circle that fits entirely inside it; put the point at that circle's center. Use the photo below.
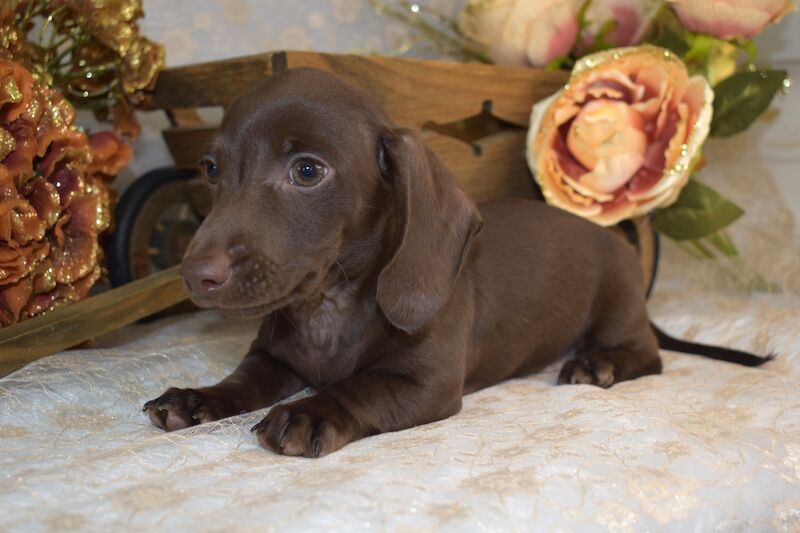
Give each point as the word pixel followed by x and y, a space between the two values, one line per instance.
pixel 90 50
pixel 54 197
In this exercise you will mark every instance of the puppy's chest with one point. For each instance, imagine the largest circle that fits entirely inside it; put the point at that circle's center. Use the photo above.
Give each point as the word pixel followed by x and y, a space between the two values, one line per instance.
pixel 324 344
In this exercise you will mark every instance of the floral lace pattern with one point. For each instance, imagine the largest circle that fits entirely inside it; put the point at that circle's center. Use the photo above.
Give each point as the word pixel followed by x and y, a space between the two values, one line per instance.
pixel 705 443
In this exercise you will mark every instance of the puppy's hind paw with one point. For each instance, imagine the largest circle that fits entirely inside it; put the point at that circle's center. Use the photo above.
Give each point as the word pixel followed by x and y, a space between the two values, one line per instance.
pixel 585 370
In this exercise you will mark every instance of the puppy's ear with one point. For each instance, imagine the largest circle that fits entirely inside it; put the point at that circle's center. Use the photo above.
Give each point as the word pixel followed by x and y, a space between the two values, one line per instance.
pixel 436 223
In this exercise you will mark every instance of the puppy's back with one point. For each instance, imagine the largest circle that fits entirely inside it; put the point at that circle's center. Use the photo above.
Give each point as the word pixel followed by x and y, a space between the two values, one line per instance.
pixel 540 272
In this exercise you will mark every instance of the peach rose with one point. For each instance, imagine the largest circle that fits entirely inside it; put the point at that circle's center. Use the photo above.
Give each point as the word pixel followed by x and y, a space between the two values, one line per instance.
pixel 522 32
pixel 620 138
pixel 728 19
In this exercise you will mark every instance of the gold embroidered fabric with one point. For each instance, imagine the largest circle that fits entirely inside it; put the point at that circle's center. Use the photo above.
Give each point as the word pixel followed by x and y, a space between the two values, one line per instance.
pixel 706 444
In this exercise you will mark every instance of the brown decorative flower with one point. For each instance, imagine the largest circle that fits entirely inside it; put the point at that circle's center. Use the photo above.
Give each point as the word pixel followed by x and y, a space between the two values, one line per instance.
pixel 16 91
pixel 110 153
pixel 96 56
pixel 54 198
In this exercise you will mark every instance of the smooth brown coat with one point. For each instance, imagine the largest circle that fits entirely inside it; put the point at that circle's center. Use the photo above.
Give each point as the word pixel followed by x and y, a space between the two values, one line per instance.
pixel 383 286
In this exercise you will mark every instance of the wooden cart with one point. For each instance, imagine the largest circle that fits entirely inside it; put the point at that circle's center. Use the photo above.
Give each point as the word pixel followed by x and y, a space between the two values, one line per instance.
pixel 473 116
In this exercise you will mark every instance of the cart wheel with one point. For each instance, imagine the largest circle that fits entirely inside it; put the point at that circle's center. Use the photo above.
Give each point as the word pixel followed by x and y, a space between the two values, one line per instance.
pixel 155 220
pixel 640 233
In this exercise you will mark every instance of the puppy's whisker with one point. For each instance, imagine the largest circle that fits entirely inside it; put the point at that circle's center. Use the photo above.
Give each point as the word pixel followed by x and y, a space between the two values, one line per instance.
pixel 288 319
pixel 346 277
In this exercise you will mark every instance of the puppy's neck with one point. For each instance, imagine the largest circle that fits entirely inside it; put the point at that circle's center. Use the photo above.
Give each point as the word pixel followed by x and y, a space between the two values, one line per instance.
pixel 351 280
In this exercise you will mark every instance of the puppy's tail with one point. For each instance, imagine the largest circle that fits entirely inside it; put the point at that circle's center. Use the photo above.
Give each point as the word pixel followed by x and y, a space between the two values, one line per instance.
pixel 714 352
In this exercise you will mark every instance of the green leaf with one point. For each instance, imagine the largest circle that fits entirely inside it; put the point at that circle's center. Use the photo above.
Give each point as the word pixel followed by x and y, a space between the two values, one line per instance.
pixel 700 211
pixel 723 242
pixel 560 63
pixel 582 22
pixel 749 47
pixel 668 32
pixel 666 38
pixel 741 98
pixel 599 42
pixel 701 46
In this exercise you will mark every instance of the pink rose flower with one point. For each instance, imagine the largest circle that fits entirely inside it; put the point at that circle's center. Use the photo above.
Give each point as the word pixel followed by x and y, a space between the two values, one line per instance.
pixel 522 32
pixel 619 140
pixel 631 18
pixel 729 19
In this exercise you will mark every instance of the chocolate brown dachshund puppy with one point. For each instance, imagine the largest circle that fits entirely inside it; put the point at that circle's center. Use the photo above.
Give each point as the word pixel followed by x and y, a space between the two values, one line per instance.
pixel 382 285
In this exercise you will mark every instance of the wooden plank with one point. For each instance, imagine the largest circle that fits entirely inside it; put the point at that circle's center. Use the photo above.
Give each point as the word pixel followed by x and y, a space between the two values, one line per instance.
pixel 185 117
pixel 416 91
pixel 209 84
pixel 187 144
pixel 71 325
pixel 497 170
pixel 412 91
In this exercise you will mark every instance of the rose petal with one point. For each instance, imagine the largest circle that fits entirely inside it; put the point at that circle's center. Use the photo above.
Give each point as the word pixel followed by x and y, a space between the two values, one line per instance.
pixel 637 154
pixel 109 153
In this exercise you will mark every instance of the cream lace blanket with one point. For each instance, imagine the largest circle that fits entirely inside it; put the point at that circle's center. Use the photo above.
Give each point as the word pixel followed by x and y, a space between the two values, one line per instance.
pixel 705 446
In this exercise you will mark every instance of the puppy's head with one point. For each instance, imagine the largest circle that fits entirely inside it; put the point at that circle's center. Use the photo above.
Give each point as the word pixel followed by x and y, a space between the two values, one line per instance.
pixel 312 184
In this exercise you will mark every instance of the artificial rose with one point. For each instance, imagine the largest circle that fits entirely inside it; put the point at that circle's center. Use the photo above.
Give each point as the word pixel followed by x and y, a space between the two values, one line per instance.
pixel 110 153
pixel 620 138
pixel 729 19
pixel 629 19
pixel 54 201
pixel 522 32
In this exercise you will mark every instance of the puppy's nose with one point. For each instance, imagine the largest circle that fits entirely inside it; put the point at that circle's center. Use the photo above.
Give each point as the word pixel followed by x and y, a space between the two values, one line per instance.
pixel 206 274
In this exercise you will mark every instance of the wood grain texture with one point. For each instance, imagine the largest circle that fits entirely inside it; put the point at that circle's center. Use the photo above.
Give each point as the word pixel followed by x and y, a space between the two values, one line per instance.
pixel 412 91
pixel 69 326
pixel 209 84
pixel 497 169
pixel 187 144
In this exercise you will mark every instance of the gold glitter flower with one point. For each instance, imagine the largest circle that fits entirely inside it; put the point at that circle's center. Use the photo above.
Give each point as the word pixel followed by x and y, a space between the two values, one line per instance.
pixel 54 197
pixel 90 50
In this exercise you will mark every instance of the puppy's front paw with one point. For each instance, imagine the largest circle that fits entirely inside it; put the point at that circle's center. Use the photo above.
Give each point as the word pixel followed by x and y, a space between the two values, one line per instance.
pixel 587 370
pixel 309 427
pixel 181 408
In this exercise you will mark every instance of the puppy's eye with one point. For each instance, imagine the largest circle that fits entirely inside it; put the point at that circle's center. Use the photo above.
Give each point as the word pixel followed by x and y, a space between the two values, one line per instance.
pixel 307 172
pixel 209 168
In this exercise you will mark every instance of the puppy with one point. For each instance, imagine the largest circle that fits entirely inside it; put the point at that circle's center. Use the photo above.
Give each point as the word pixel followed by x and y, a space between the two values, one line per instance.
pixel 382 286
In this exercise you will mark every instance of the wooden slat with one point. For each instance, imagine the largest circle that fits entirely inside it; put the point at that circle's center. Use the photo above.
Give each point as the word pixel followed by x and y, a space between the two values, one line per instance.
pixel 69 326
pixel 412 91
pixel 185 117
pixel 187 144
pixel 209 84
pixel 415 91
pixel 499 171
